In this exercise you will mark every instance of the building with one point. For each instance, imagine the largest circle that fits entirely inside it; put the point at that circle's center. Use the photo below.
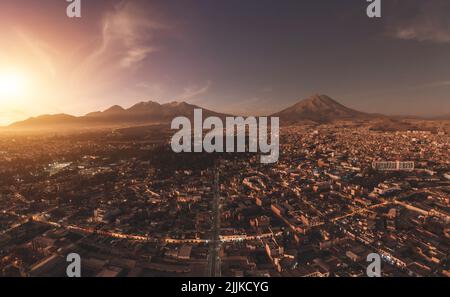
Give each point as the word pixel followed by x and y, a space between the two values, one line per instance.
pixel 393 165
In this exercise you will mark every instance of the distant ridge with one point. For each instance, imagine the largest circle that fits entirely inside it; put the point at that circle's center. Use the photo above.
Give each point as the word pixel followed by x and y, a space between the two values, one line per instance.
pixel 443 117
pixel 116 116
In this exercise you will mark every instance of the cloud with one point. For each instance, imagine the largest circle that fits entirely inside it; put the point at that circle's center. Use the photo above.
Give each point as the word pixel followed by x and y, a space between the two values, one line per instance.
pixel 420 21
pixel 128 37
pixel 135 55
pixel 193 91
pixel 423 31
pixel 437 84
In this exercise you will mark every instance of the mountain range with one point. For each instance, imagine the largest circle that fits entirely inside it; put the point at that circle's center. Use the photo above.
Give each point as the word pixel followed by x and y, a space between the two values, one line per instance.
pixel 316 109
pixel 142 113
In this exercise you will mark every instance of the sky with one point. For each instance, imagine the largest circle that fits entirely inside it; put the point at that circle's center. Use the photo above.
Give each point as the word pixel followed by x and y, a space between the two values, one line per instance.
pixel 252 57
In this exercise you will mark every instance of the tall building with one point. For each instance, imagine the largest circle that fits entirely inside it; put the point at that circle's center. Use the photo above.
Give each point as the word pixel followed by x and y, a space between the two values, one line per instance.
pixel 393 165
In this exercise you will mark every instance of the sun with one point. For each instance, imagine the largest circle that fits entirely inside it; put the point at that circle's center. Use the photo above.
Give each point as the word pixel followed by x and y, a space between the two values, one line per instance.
pixel 12 84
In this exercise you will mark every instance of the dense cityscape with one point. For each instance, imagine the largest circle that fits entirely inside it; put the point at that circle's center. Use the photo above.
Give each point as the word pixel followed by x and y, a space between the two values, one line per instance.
pixel 129 206
pixel 225 147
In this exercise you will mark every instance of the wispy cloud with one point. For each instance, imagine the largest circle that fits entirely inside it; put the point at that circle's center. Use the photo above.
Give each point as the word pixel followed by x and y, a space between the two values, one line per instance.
pixel 127 37
pixel 135 55
pixel 421 21
pixel 437 84
pixel 192 91
pixel 422 32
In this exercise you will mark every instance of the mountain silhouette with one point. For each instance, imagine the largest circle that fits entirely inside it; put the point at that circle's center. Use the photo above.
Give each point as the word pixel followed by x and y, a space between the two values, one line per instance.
pixel 320 109
pixel 317 109
pixel 141 113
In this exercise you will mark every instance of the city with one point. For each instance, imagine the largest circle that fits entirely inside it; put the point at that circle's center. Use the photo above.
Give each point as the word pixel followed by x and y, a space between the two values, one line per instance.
pixel 131 207
pixel 224 147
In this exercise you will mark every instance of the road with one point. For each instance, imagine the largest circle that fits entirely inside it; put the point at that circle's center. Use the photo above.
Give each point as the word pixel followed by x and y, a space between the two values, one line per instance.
pixel 214 269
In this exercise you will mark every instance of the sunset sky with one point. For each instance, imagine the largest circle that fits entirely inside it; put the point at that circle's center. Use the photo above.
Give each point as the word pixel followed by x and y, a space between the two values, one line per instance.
pixel 242 57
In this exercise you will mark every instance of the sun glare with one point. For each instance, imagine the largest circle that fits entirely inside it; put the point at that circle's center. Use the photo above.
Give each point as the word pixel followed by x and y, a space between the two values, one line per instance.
pixel 12 84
